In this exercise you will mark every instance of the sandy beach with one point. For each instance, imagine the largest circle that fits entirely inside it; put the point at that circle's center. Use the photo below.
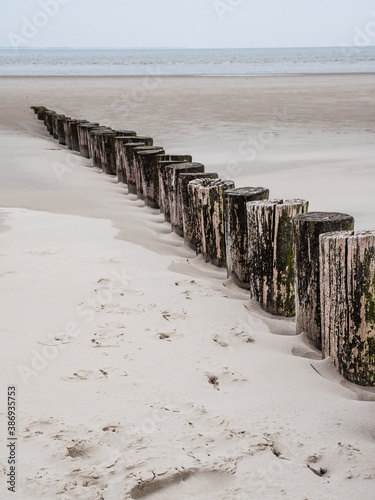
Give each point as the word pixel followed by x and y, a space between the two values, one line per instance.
pixel 142 372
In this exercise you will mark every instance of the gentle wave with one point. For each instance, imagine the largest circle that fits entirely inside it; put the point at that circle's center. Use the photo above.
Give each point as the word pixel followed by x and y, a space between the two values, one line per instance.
pixel 186 61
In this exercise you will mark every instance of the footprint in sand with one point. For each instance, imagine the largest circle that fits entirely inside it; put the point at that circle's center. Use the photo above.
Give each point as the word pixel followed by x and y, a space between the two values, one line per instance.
pixel 170 316
pixel 101 374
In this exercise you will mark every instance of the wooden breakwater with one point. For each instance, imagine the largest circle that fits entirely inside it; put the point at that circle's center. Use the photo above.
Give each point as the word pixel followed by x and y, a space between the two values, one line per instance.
pixel 311 265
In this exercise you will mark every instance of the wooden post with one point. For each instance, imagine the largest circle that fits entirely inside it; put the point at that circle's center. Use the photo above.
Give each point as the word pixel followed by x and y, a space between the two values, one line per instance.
pixel 138 188
pixel 39 111
pixel 172 174
pixel 61 120
pixel 306 232
pixel 106 139
pixel 207 197
pixel 94 144
pixel 236 233
pixel 347 282
pixel 188 214
pixel 147 161
pixel 55 125
pixel 163 162
pixel 128 159
pixel 108 152
pixel 38 108
pixel 71 133
pixel 120 153
pixel 48 120
pixel 83 137
pixel 97 145
pixel 42 112
pixel 271 257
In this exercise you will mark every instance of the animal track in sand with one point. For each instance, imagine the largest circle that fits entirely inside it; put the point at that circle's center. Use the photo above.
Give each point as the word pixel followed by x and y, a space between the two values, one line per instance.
pixel 168 315
pixel 226 376
pixel 107 338
pixel 236 335
pixel 96 375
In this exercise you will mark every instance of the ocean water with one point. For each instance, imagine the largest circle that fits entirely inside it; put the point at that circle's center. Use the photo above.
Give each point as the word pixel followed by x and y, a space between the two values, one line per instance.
pixel 229 62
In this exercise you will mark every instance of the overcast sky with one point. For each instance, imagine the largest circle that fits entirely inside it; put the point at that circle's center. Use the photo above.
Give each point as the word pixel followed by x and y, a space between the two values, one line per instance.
pixel 186 23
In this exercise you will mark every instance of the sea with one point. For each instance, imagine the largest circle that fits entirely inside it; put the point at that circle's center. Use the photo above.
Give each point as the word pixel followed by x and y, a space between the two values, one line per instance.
pixel 204 62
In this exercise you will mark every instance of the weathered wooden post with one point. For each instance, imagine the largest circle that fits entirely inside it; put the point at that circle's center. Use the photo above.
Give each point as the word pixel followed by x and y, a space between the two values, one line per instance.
pixel 38 108
pixel 271 257
pixel 61 119
pixel 307 229
pixel 55 125
pixel 347 283
pixel 207 197
pixel 236 233
pixel 39 111
pixel 48 120
pixel 128 159
pixel 108 149
pixel 42 112
pixel 163 162
pixel 188 214
pixel 71 133
pixel 120 152
pixel 83 137
pixel 172 174
pixel 154 150
pixel 94 152
pixel 147 161
pixel 96 145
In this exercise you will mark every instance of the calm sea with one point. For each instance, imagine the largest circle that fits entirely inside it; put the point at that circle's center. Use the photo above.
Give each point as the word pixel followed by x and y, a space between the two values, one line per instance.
pixel 230 62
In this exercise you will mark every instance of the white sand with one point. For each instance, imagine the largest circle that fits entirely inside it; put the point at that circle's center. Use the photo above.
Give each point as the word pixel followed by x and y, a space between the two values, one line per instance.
pixel 166 382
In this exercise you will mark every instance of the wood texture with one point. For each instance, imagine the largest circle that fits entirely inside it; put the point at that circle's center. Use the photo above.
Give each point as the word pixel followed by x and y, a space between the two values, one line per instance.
pixel 271 256
pixel 347 281
pixel 306 231
pixel 137 166
pixel 236 233
pixel 187 205
pixel 207 197
pixel 120 153
pixel 164 161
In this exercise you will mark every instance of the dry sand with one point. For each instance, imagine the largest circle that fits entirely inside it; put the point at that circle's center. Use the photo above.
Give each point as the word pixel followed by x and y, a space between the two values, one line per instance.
pixel 141 371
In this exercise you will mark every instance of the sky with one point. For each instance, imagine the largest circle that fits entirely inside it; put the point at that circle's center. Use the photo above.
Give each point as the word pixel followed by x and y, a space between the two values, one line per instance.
pixel 186 23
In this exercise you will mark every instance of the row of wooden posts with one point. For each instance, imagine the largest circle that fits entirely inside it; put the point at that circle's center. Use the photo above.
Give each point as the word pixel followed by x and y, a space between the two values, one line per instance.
pixel 311 265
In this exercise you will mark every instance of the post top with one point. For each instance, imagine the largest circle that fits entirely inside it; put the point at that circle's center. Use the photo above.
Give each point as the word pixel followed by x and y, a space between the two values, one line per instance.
pixel 323 217
pixel 246 191
pixel 184 165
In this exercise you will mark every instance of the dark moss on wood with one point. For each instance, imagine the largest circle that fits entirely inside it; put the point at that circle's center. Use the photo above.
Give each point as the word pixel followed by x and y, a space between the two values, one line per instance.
pixel 188 213
pixel 236 233
pixel 271 261
pixel 147 164
pixel 172 174
pixel 207 196
pixel 137 167
pixel 347 277
pixel 120 153
pixel 163 162
pixel 306 231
